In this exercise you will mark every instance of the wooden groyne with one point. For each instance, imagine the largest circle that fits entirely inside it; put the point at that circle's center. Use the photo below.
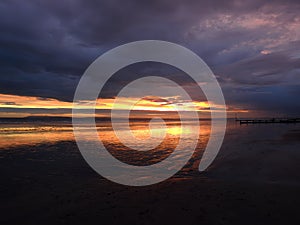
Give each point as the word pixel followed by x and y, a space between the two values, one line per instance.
pixel 253 121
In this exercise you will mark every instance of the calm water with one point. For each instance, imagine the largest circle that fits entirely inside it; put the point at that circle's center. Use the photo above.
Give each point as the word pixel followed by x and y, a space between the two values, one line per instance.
pixel 14 135
pixel 260 151
pixel 28 133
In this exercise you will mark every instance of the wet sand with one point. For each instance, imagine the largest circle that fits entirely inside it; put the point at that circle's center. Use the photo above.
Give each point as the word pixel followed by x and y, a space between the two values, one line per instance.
pixel 257 183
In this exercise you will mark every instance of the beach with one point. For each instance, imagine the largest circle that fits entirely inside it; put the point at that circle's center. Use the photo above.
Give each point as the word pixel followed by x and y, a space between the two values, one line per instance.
pixel 254 180
pixel 149 112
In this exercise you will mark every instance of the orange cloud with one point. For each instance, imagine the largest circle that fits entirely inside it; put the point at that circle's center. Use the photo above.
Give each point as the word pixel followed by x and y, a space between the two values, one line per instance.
pixel 15 101
pixel 147 103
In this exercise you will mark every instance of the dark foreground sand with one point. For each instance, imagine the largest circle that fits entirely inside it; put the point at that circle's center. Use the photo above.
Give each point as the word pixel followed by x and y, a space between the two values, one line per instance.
pixel 51 184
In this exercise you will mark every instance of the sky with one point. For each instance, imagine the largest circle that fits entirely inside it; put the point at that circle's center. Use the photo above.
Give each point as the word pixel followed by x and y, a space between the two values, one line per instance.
pixel 252 47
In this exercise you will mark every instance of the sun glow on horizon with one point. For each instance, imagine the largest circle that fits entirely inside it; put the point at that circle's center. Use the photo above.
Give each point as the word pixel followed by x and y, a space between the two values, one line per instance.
pixel 147 103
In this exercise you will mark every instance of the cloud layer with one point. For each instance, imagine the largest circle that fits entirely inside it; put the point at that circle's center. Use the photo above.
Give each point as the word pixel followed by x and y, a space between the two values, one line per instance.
pixel 252 46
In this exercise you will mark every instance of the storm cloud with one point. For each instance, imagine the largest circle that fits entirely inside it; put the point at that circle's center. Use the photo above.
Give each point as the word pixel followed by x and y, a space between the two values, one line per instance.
pixel 253 47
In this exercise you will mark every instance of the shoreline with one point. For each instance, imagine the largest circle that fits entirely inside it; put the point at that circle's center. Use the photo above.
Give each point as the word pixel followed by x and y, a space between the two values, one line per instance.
pixel 254 178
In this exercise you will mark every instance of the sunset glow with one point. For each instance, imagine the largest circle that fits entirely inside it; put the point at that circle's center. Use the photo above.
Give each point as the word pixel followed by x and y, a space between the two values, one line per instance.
pixel 148 103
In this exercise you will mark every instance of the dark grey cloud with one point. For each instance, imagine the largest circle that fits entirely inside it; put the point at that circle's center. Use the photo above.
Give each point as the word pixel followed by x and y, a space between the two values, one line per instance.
pixel 8 103
pixel 253 46
pixel 273 68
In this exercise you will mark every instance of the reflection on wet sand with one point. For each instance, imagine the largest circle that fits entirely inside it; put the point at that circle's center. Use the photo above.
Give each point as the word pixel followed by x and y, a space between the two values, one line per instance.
pixel 28 135
pixel 31 134
pixel 255 172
